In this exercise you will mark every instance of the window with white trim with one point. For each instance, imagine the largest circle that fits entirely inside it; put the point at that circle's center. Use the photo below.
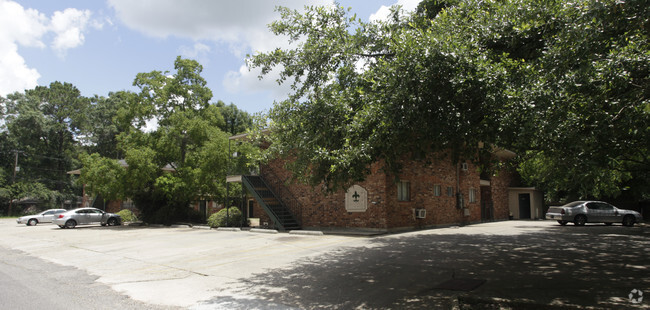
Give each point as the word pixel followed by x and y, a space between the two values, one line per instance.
pixel 472 195
pixel 403 191
pixel 437 190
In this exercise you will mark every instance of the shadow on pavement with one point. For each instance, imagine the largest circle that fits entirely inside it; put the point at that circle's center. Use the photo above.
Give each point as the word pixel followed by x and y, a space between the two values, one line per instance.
pixel 561 266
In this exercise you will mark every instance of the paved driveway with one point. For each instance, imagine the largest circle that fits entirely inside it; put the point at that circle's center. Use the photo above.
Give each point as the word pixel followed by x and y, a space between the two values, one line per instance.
pixel 524 263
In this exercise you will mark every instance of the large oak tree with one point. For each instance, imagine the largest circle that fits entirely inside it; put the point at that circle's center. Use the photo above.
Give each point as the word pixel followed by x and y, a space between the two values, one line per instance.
pixel 563 83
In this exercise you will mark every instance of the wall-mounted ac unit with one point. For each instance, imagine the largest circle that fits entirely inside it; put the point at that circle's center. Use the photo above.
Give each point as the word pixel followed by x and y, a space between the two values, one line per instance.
pixel 420 213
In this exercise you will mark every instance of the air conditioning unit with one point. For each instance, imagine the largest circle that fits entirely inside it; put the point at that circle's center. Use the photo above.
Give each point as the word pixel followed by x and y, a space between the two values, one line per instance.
pixel 420 213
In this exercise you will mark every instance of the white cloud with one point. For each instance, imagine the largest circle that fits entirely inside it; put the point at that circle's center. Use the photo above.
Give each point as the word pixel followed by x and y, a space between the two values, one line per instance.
pixel 384 11
pixel 245 79
pixel 15 75
pixel 24 27
pixel 198 51
pixel 27 28
pixel 242 24
pixel 69 26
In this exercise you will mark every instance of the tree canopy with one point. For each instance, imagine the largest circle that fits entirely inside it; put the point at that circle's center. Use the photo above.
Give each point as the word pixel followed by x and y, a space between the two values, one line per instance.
pixel 562 83
pixel 183 159
pixel 172 141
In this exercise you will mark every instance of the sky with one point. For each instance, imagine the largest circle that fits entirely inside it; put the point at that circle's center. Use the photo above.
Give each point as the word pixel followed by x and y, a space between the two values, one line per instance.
pixel 100 46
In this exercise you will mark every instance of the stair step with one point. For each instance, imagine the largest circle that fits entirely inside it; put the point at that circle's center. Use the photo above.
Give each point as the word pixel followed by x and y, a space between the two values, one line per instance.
pixel 273 205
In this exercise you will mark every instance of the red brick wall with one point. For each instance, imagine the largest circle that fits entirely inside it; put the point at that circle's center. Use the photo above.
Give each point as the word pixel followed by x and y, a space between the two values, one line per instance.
pixel 441 210
pixel 315 209
pixel 500 184
pixel 114 206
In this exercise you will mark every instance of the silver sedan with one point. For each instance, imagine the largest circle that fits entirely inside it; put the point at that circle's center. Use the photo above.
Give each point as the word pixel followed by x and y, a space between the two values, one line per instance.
pixel 43 217
pixel 581 212
pixel 83 216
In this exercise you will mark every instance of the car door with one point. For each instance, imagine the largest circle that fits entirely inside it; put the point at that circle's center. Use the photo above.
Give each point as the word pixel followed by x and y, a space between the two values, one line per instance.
pixel 94 216
pixel 81 216
pixel 593 214
pixel 608 213
pixel 47 217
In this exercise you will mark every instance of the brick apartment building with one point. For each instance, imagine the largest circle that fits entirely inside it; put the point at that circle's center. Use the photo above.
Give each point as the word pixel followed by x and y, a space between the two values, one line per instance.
pixel 432 194
pixel 423 195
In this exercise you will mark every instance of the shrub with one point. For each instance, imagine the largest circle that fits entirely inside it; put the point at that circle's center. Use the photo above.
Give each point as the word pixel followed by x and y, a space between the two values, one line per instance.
pixel 127 216
pixel 219 219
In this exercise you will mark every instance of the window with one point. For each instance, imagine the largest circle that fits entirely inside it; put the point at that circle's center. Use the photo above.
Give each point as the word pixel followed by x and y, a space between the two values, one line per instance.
pixel 606 207
pixel 472 195
pixel 437 190
pixel 450 191
pixel 403 191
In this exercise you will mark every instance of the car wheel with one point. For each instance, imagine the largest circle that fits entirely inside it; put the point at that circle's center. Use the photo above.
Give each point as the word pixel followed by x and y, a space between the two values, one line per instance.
pixel 111 221
pixel 562 222
pixel 32 222
pixel 629 221
pixel 70 224
pixel 580 220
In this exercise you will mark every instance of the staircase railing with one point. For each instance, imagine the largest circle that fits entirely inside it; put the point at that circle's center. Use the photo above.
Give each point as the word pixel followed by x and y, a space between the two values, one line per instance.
pixel 267 199
pixel 97 199
pixel 283 193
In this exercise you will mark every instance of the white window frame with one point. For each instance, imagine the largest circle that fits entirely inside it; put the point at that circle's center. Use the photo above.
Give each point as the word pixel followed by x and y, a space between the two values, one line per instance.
pixel 472 195
pixel 437 190
pixel 403 191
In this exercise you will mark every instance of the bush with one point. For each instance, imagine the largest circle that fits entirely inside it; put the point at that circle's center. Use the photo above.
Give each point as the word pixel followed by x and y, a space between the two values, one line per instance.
pixel 127 216
pixel 219 219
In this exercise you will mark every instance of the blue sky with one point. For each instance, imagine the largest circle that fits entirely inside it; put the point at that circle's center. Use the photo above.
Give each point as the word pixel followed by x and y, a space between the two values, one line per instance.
pixel 99 46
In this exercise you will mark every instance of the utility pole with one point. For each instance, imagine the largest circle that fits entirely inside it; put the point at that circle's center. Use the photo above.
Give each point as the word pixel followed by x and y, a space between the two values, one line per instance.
pixel 13 181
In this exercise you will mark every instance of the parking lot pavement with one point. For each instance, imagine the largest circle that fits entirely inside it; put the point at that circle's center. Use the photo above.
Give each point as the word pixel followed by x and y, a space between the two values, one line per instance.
pixel 520 262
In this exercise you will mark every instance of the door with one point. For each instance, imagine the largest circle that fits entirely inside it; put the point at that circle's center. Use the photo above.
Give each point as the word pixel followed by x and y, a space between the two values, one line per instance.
pixel 601 212
pixel 487 213
pixel 82 216
pixel 95 216
pixel 202 209
pixel 524 206
pixel 251 206
pixel 47 217
pixel 609 213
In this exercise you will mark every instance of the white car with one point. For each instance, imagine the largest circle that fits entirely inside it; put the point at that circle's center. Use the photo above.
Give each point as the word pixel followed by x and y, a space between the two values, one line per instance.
pixel 44 217
pixel 582 212
pixel 84 216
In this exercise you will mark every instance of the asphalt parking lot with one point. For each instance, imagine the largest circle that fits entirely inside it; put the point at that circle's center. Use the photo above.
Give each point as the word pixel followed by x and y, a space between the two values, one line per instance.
pixel 516 264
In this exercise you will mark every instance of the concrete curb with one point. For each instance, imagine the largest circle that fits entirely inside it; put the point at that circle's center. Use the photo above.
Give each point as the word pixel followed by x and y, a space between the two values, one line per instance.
pixel 228 229
pixel 264 231
pixel 180 226
pixel 201 227
pixel 306 232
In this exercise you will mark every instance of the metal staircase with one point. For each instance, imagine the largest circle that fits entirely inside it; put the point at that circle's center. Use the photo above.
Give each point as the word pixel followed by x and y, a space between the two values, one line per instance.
pixel 273 206
pixel 98 202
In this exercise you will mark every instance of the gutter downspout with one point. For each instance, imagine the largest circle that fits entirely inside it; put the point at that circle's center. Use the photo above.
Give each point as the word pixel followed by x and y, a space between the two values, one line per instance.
pixel 459 196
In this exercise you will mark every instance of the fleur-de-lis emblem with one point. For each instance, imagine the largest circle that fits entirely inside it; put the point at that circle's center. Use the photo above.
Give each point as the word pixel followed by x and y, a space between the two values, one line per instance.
pixel 356 196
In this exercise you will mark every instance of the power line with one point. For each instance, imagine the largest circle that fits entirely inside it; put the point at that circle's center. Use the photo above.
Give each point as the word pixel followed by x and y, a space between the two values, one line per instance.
pixel 33 155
